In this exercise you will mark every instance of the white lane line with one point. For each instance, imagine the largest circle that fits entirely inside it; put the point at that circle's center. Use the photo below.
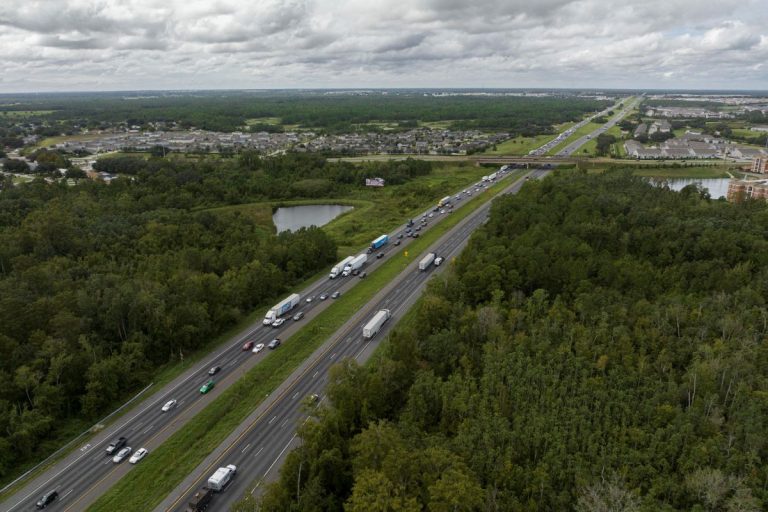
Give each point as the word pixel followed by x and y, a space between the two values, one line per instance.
pixel 66 494
pixel 106 461
pixel 148 429
pixel 273 419
pixel 254 489
pixel 182 402
pixel 362 350
pixel 258 452
pixel 295 395
pixel 85 448
pixel 315 375
pixel 246 447
pixel 284 424
pixel 280 455
pixel 333 355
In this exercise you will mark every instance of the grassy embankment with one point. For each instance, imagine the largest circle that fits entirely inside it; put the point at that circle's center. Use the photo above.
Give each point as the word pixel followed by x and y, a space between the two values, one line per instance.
pixel 520 146
pixel 149 483
pixel 584 130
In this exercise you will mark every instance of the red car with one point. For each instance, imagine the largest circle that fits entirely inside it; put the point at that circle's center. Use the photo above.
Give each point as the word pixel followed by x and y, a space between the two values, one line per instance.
pixel 248 345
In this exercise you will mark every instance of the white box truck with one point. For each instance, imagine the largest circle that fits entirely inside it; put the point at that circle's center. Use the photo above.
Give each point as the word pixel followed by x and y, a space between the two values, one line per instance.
pixel 374 326
pixel 282 308
pixel 426 261
pixel 339 268
pixel 221 478
pixel 355 264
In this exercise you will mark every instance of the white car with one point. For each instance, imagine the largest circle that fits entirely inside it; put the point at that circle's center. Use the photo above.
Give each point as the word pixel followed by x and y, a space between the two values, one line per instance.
pixel 310 298
pixel 136 457
pixel 258 348
pixel 278 322
pixel 170 404
pixel 121 455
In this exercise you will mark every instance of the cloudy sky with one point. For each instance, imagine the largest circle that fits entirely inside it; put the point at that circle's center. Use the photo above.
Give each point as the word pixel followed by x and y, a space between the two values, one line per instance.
pixel 63 45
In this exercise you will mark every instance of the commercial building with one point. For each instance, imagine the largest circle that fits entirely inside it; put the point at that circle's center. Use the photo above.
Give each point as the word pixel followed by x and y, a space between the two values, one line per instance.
pixel 760 165
pixel 739 190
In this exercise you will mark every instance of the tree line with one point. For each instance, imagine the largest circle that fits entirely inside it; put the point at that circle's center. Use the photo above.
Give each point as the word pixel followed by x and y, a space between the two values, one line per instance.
pixel 599 345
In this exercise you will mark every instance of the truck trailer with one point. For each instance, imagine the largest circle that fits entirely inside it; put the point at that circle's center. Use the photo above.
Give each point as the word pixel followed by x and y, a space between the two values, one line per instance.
pixel 339 268
pixel 444 201
pixel 380 242
pixel 356 263
pixel 374 326
pixel 426 261
pixel 282 308
pixel 200 500
pixel 219 480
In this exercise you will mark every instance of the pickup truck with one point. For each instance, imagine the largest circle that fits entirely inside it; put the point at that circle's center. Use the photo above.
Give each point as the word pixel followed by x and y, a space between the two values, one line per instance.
pixel 115 446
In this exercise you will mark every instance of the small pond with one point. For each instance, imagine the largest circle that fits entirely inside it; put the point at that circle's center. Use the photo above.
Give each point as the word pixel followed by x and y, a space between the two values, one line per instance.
pixel 292 218
pixel 716 186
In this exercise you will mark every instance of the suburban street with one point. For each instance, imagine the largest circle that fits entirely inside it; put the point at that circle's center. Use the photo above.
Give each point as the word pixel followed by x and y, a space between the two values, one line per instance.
pixel 261 444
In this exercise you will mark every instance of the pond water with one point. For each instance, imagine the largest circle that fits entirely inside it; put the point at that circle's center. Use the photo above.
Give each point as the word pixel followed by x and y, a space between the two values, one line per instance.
pixel 716 186
pixel 291 218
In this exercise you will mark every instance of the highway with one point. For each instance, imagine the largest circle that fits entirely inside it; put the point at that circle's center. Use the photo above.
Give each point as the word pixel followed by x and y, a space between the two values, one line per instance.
pixel 260 446
pixel 86 473
pixel 576 144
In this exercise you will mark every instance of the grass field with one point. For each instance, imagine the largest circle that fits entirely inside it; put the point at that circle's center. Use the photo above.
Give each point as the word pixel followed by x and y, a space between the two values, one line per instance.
pixel 149 483
pixel 263 120
pixel 20 114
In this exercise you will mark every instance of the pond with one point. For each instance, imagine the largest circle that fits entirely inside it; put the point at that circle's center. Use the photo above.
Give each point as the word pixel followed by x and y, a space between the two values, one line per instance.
pixel 716 186
pixel 291 218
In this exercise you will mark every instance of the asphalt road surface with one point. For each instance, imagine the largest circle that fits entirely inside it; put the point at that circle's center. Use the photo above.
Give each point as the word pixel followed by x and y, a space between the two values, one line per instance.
pixel 260 446
pixel 86 473
pixel 576 144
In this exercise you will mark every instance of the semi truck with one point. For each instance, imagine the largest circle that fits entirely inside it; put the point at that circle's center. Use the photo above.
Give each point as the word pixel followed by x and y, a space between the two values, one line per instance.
pixel 426 261
pixel 339 268
pixel 380 242
pixel 200 500
pixel 356 263
pixel 444 201
pixel 374 326
pixel 219 480
pixel 282 308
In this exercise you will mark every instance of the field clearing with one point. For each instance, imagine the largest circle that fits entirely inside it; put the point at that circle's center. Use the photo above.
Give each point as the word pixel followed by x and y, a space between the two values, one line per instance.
pixel 438 125
pixel 519 146
pixel 20 114
pixel 263 120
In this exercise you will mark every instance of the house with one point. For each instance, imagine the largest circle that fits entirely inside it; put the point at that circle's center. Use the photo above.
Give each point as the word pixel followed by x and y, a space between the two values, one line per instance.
pixel 641 130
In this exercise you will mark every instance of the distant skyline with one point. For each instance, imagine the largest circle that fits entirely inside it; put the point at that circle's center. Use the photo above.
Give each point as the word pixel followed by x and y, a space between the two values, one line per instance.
pixel 109 45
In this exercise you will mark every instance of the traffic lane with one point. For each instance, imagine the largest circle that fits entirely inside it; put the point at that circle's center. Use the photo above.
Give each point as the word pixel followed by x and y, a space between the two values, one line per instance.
pixel 270 441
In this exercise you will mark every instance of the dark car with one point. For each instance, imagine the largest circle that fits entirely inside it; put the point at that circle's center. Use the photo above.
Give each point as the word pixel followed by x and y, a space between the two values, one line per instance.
pixel 274 343
pixel 362 275
pixel 397 242
pixel 380 255
pixel 214 370
pixel 415 235
pixel 399 235
pixel 115 446
pixel 248 345
pixel 47 499
pixel 356 272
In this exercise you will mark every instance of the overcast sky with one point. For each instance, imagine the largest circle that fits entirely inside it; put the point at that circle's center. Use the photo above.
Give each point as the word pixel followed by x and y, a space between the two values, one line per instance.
pixel 64 45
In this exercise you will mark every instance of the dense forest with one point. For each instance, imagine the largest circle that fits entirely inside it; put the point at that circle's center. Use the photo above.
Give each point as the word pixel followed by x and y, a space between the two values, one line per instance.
pixel 599 346
pixel 101 284
pixel 327 112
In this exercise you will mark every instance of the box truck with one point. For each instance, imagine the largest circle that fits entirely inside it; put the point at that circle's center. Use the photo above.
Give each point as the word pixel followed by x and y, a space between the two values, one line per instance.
pixel 339 268
pixel 282 308
pixel 374 326
pixel 426 261
pixel 221 478
pixel 200 500
pixel 356 263
pixel 379 242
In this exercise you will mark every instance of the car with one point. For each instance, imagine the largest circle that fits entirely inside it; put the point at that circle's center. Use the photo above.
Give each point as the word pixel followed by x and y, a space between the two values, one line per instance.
pixel 47 499
pixel 278 322
pixel 408 230
pixel 380 255
pixel 431 215
pixel 418 228
pixel 415 235
pixel 438 261
pixel 298 316
pixel 214 370
pixel 336 295
pixel 274 343
pixel 399 235
pixel 442 211
pixel 397 242
pixel 314 398
pixel 170 404
pixel 115 445
pixel 258 348
pixel 370 250
pixel 136 457
pixel 121 455
pixel 310 298
pixel 207 387
pixel 362 275
pixel 323 296
pixel 356 272
pixel 248 345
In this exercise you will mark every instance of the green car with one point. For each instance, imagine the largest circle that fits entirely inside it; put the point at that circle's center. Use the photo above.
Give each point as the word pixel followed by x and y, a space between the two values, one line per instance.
pixel 207 387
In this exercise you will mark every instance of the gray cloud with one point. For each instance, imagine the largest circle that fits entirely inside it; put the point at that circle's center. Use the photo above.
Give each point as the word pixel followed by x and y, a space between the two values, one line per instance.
pixel 127 44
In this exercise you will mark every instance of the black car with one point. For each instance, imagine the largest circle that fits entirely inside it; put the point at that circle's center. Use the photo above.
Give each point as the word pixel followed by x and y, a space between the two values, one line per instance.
pixel 380 255
pixel 47 499
pixel 115 446
pixel 399 235
pixel 356 272
pixel 397 242
pixel 214 370
pixel 415 235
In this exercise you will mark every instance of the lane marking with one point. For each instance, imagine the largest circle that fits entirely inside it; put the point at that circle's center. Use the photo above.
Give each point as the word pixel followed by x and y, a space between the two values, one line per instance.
pixel 315 375
pixel 67 493
pixel 246 447
pixel 258 452
pixel 148 429
pixel 273 419
pixel 295 395
pixel 279 455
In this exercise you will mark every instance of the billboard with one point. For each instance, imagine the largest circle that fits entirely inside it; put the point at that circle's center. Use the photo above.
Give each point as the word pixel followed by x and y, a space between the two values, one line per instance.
pixel 374 182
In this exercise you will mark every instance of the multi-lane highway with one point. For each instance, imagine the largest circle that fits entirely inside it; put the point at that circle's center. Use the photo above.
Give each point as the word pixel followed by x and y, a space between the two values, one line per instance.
pixel 88 472
pixel 259 448
pixel 576 144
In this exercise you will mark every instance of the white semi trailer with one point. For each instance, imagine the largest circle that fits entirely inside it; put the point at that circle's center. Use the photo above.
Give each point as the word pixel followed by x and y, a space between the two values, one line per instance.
pixel 374 326
pixel 282 308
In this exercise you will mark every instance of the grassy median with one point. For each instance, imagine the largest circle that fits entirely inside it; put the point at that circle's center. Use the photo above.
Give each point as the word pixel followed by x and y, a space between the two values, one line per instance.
pixel 165 467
